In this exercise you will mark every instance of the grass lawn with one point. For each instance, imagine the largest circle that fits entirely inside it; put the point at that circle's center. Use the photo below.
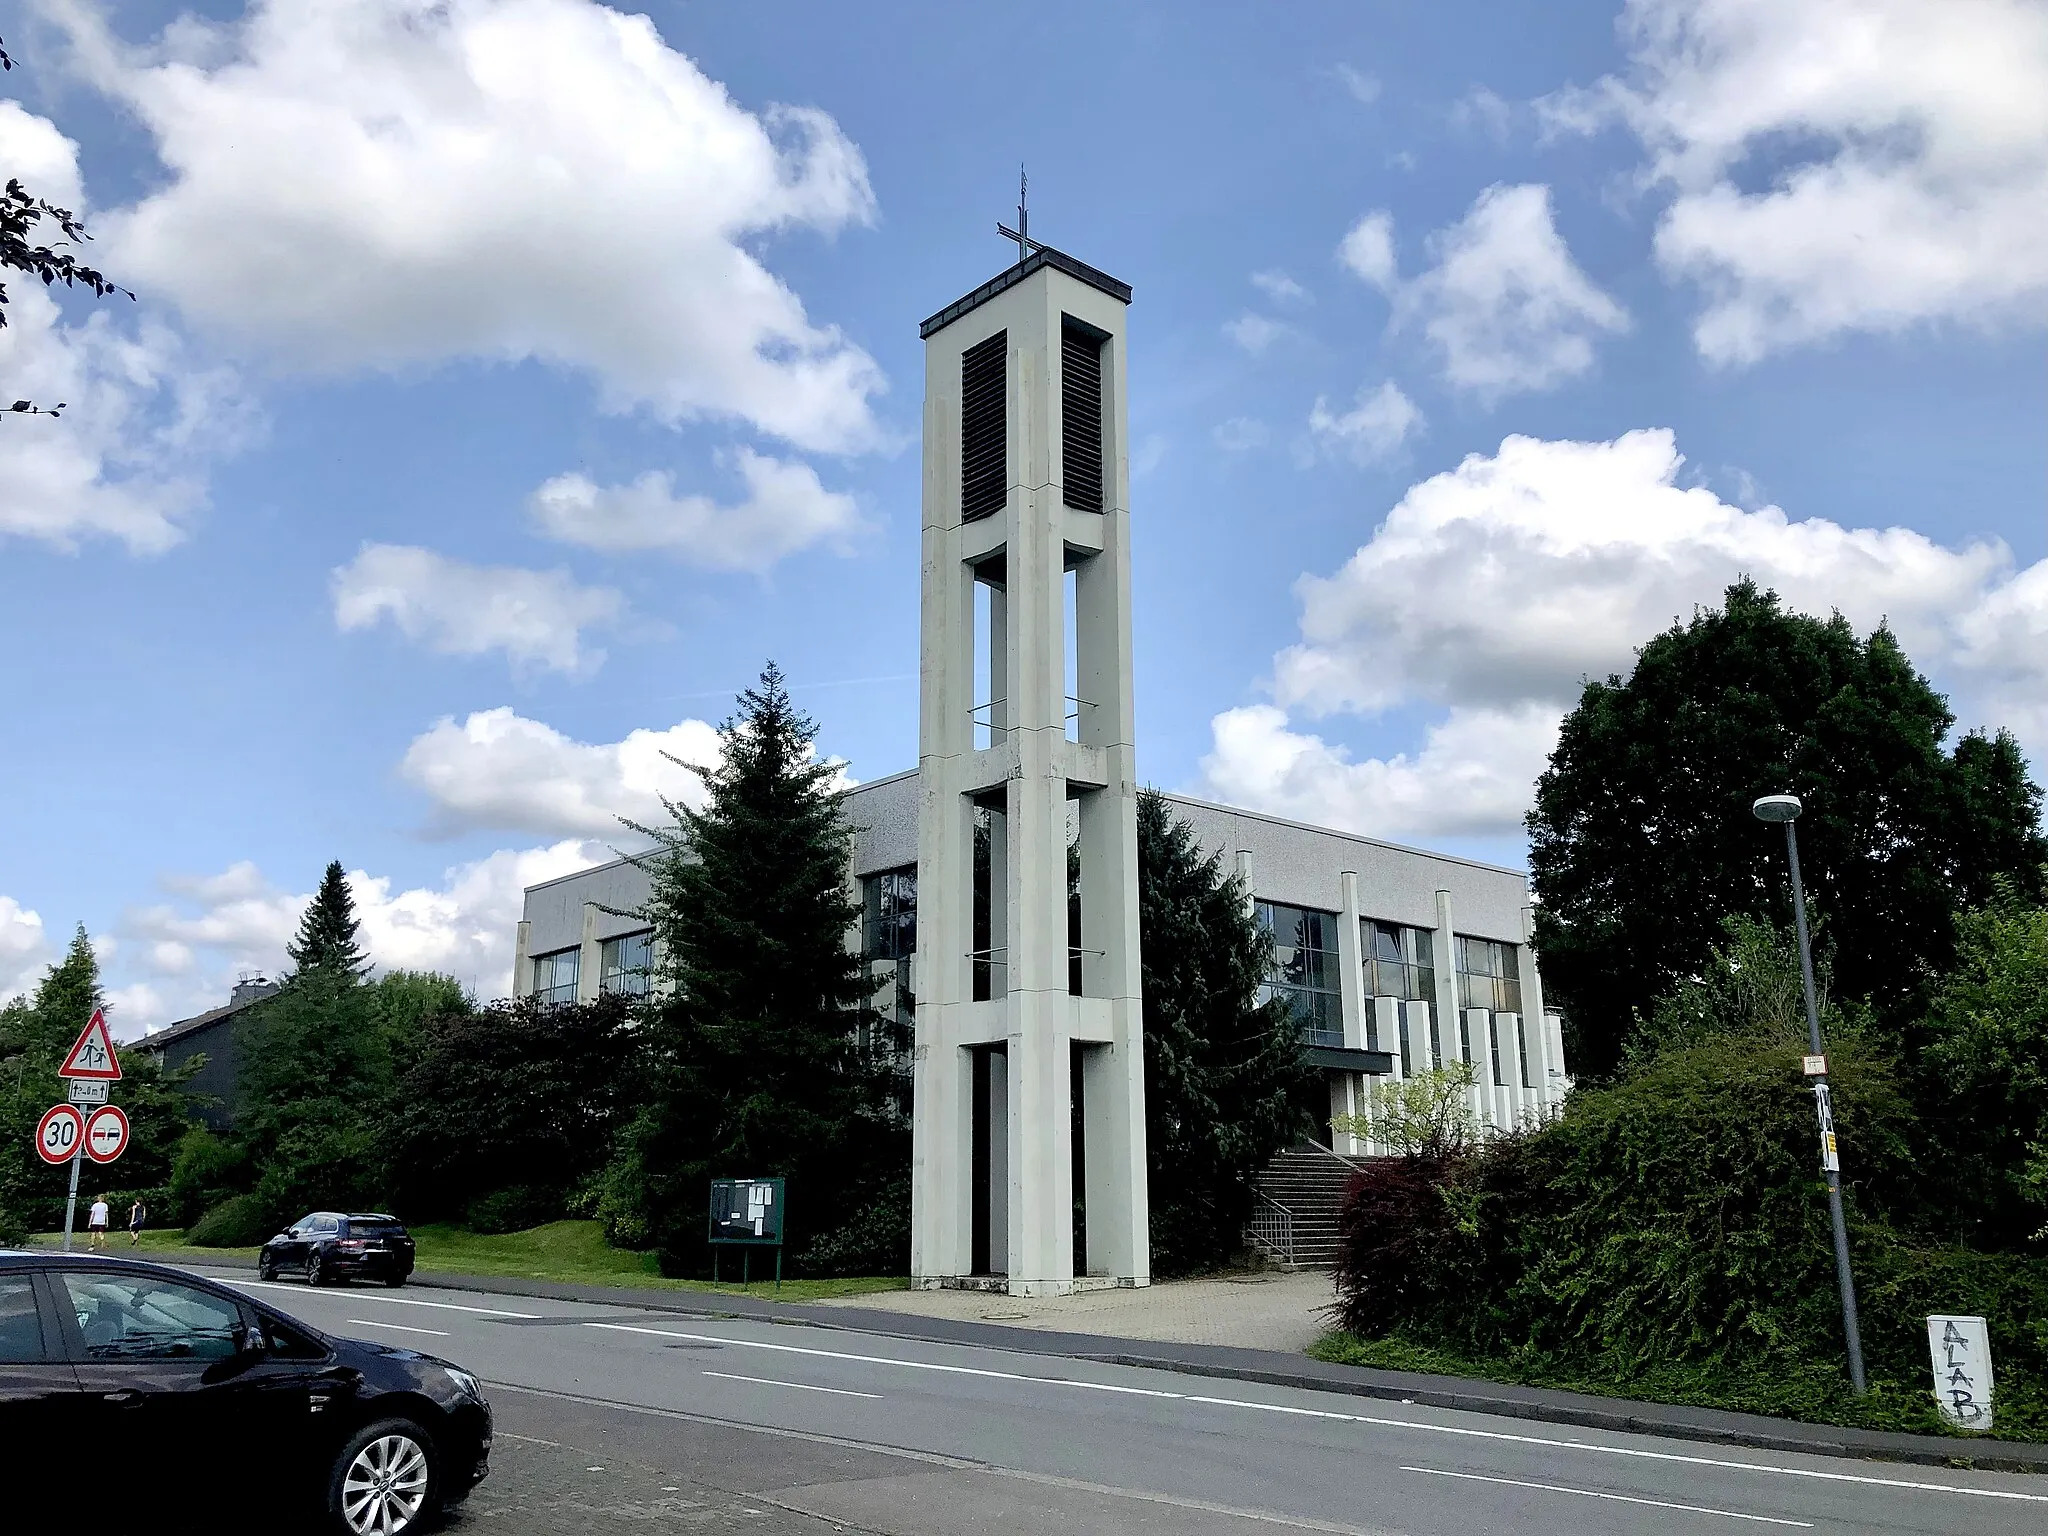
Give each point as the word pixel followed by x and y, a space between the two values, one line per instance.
pixel 571 1251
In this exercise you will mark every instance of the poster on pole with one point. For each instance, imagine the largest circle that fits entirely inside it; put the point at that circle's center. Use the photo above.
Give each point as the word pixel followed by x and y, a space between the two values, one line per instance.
pixel 1961 1351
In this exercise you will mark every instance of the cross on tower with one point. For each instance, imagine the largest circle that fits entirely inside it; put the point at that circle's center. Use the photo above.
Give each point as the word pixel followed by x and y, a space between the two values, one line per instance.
pixel 1022 233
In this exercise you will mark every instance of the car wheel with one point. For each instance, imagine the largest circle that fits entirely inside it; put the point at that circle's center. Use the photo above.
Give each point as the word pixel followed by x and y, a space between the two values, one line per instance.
pixel 266 1268
pixel 313 1268
pixel 385 1482
pixel 394 1281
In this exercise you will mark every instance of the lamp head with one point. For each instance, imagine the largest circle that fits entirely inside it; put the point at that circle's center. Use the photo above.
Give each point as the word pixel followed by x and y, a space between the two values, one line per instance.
pixel 1777 808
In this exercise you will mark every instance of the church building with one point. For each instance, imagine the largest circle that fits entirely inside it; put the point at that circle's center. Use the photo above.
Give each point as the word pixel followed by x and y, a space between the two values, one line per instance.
pixel 1028 1019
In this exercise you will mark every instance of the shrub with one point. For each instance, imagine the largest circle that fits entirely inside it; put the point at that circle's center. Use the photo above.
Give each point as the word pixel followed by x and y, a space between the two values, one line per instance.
pixel 517 1209
pixel 238 1222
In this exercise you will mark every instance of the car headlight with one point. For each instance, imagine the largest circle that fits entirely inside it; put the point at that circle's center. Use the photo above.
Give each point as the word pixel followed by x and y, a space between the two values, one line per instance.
pixel 465 1383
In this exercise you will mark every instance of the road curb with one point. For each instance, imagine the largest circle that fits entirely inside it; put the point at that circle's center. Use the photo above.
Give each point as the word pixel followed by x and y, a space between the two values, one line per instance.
pixel 1276 1368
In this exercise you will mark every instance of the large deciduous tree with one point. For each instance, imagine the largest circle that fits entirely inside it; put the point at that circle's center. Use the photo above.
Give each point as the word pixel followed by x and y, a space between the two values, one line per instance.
pixel 760 1038
pixel 1225 1080
pixel 1642 843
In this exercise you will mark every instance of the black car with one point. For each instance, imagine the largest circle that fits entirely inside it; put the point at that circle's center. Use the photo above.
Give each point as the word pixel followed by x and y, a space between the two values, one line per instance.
pixel 164 1401
pixel 330 1245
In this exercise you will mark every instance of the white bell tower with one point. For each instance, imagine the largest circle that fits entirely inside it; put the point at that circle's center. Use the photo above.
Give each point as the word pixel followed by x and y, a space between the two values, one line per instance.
pixel 1029 1121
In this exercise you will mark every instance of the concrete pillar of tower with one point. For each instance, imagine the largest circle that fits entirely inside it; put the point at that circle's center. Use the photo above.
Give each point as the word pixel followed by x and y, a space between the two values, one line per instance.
pixel 1020 375
pixel 1543 1066
pixel 590 957
pixel 522 961
pixel 1448 1044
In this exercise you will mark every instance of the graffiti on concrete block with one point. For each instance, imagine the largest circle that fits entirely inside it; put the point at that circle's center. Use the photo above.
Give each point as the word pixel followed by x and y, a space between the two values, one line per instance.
pixel 1961 1351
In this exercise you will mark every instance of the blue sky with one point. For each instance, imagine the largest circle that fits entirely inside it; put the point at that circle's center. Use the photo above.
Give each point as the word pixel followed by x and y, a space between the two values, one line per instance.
pixel 509 377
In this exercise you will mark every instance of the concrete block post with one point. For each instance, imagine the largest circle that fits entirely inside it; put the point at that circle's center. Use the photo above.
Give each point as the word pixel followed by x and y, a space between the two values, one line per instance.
pixel 590 957
pixel 1449 1046
pixel 522 960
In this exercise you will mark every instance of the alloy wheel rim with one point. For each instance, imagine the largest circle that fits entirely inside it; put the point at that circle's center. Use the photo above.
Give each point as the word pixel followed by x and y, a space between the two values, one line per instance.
pixel 385 1487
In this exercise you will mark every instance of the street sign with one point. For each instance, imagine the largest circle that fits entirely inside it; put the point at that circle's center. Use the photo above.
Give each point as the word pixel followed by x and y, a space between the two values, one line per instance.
pixel 93 1055
pixel 1814 1066
pixel 58 1133
pixel 106 1133
pixel 85 1090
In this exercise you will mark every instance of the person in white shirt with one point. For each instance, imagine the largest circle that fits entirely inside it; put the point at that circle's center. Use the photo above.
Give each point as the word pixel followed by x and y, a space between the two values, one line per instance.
pixel 96 1222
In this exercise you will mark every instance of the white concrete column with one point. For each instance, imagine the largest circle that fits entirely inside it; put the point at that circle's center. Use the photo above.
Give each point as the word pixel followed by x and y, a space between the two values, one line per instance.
pixel 1542 1063
pixel 590 962
pixel 1485 1094
pixel 1351 967
pixel 1386 1015
pixel 1416 1011
pixel 522 961
pixel 1448 1039
pixel 1242 862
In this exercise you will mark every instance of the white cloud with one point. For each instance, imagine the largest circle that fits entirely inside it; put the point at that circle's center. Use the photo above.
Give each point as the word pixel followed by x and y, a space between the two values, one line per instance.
pixel 786 510
pixel 1839 165
pixel 1364 88
pixel 1255 332
pixel 1241 434
pixel 536 618
pixel 1368 250
pixel 1471 778
pixel 188 952
pixel 391 183
pixel 125 460
pixel 1506 307
pixel 1281 288
pixel 498 769
pixel 1372 429
pixel 24 949
pixel 1492 590
pixel 1485 110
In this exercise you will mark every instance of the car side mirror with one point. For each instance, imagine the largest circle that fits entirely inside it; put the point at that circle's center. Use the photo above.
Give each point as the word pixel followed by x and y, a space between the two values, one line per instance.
pixel 248 1341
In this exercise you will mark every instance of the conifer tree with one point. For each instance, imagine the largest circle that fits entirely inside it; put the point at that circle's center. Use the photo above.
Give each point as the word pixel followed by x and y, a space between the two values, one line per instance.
pixel 1225 1076
pixel 327 932
pixel 757 1030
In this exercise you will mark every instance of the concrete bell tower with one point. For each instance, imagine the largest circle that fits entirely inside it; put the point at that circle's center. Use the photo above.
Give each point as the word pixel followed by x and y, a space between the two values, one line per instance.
pixel 1029 1134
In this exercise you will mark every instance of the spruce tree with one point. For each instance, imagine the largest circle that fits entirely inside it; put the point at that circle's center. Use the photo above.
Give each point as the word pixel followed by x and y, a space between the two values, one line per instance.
pixel 1225 1076
pixel 756 1032
pixel 327 931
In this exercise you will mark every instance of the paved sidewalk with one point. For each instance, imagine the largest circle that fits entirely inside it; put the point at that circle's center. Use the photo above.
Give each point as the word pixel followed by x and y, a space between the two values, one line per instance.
pixel 1270 1311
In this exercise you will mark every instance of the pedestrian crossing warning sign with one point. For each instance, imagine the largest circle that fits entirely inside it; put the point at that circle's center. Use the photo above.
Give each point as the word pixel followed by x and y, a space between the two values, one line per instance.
pixel 93 1055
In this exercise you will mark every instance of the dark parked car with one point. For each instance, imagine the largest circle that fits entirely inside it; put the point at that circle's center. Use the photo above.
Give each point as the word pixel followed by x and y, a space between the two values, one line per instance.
pixel 328 1246
pixel 159 1400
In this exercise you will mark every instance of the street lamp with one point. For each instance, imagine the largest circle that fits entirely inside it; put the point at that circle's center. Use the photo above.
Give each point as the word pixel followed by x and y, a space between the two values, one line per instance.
pixel 1786 808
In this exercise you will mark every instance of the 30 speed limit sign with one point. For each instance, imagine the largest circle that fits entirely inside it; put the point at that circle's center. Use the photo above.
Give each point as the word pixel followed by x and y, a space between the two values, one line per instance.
pixel 106 1133
pixel 58 1133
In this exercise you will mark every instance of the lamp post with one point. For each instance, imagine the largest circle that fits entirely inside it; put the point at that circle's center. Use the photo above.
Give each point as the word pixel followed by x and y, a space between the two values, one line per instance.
pixel 1786 808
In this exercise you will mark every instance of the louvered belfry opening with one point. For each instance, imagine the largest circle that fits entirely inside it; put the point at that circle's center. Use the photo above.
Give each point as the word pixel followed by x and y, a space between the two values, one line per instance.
pixel 1080 415
pixel 984 428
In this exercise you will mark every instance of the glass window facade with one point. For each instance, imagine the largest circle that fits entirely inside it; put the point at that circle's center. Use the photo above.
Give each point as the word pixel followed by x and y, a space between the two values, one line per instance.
pixel 555 976
pixel 1304 971
pixel 628 964
pixel 1400 962
pixel 1489 975
pixel 889 937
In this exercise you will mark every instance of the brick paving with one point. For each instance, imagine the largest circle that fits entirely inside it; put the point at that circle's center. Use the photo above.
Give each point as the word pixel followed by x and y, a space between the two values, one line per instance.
pixel 1259 1311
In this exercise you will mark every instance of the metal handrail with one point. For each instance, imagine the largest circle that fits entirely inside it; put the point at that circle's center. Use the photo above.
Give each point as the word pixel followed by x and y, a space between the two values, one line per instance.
pixel 1271 1228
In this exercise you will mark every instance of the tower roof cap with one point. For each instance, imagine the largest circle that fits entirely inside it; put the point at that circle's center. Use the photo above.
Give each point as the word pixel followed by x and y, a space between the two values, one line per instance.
pixel 1042 256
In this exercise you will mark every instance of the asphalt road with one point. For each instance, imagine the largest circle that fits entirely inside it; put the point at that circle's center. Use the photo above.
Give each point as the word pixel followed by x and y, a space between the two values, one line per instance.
pixel 648 1419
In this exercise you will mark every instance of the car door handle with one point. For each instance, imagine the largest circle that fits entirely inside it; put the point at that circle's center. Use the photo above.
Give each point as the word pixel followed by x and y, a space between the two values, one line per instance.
pixel 127 1397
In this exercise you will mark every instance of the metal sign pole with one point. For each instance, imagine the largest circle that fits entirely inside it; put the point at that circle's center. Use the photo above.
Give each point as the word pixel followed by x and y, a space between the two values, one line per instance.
pixel 71 1202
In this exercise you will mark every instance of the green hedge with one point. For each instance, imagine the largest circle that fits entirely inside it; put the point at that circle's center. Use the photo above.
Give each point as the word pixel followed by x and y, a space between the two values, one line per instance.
pixel 1668 1237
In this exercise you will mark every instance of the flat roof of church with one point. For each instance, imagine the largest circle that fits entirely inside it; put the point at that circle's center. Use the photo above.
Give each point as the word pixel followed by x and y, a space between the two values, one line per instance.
pixel 1043 256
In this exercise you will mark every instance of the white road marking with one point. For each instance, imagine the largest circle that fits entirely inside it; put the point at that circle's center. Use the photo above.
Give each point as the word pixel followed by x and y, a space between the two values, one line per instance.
pixel 915 1365
pixel 1619 1498
pixel 370 1322
pixel 395 1301
pixel 763 1381
pixel 1761 1467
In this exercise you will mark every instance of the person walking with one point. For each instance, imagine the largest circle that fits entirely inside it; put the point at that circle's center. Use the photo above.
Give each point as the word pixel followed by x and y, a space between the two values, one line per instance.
pixel 138 1213
pixel 96 1223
